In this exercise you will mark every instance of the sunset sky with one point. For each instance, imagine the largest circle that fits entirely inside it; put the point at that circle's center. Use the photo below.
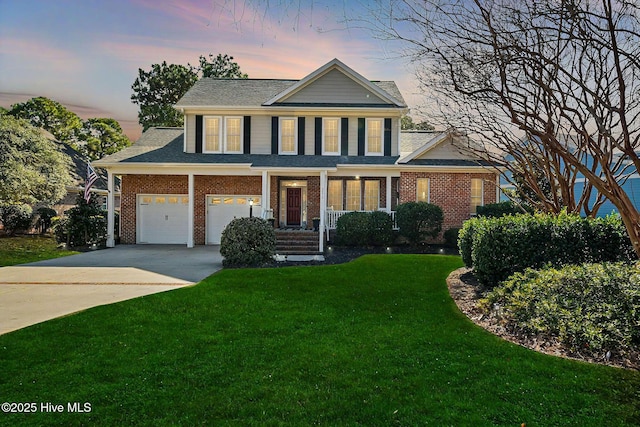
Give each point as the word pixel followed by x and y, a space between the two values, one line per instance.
pixel 85 54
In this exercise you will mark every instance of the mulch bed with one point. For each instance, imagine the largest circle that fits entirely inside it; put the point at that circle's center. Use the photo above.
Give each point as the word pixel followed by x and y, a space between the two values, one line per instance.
pixel 465 291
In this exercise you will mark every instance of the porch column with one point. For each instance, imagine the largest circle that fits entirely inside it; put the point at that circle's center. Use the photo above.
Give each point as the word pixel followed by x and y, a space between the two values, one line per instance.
pixel 266 198
pixel 323 207
pixel 111 241
pixel 388 194
pixel 191 213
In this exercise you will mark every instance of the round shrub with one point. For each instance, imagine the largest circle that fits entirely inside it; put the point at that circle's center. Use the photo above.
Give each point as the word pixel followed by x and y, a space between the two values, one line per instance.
pixel 419 220
pixel 247 242
pixel 16 218
pixel 352 229
pixel 380 228
pixel 591 308
pixel 451 236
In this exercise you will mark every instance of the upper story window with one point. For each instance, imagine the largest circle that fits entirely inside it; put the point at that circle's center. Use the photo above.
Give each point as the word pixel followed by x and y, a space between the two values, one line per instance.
pixel 373 137
pixel 476 194
pixel 422 190
pixel 288 143
pixel 233 135
pixel 212 134
pixel 222 136
pixel 331 136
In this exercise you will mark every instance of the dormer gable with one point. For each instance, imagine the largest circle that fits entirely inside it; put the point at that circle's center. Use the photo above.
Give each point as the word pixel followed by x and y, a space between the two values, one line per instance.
pixel 336 84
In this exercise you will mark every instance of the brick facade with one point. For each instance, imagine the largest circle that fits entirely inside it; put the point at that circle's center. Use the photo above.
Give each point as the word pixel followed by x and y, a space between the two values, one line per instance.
pixel 132 185
pixel 450 191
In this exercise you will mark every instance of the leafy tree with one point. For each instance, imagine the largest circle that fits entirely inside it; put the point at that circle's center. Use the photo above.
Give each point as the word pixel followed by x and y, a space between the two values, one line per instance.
pixel 564 75
pixel 157 90
pixel 84 224
pixel 103 136
pixel 32 168
pixel 50 115
pixel 407 123
pixel 221 67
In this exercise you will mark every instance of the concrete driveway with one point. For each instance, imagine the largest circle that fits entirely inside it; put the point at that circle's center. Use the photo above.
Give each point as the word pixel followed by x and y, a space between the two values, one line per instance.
pixel 39 291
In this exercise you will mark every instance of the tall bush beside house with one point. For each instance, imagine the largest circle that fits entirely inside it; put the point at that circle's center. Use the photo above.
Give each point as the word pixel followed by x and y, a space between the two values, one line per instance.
pixel 418 221
pixel 247 242
pixel 380 228
pixel 84 224
pixel 352 229
pixel 15 218
pixel 502 246
pixel 45 218
pixel 364 228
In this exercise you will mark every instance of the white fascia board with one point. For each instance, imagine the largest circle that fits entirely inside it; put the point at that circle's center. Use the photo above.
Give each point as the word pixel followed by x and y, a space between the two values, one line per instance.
pixel 448 169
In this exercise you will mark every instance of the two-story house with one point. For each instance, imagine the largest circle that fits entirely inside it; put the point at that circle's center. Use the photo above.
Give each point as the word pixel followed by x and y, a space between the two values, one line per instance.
pixel 290 150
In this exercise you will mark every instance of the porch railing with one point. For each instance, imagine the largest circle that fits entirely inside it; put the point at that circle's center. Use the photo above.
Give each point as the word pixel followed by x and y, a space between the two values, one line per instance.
pixel 332 218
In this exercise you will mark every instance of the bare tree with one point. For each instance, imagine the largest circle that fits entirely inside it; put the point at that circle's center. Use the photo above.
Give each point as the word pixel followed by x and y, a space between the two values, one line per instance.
pixel 556 81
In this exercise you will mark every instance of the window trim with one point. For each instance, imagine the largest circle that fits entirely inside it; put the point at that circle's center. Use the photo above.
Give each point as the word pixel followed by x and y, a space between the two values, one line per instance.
pixel 377 187
pixel 325 152
pixel 204 135
pixel 474 211
pixel 226 134
pixel 295 136
pixel 428 190
pixel 367 152
pixel 346 198
pixel 340 185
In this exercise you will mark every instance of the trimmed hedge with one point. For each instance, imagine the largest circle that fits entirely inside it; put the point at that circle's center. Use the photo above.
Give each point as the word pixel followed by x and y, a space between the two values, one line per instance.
pixel 16 218
pixel 418 221
pixel 591 308
pixel 247 242
pixel 364 228
pixel 499 209
pixel 499 247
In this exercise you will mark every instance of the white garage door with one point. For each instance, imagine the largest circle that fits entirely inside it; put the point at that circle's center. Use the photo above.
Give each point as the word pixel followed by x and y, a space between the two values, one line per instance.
pixel 222 209
pixel 163 218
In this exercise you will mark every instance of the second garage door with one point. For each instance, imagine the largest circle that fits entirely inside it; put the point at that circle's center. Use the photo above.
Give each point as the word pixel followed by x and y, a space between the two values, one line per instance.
pixel 222 209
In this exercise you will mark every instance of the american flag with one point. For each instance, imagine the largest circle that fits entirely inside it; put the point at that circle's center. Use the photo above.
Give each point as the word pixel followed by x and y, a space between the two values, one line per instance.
pixel 92 177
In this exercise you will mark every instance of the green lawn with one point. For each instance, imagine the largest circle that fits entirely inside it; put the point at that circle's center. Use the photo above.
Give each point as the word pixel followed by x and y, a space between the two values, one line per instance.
pixel 377 341
pixel 20 250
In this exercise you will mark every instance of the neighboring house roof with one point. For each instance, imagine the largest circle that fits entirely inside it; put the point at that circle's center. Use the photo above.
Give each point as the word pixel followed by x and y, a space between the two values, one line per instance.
pixel 210 92
pixel 79 169
pixel 165 145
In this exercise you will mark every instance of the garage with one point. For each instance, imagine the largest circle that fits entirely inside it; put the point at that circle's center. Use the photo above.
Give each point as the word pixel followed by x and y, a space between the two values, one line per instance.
pixel 222 209
pixel 162 218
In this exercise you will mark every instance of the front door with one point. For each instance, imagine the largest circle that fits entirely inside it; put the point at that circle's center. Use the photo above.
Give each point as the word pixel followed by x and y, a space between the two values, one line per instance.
pixel 294 204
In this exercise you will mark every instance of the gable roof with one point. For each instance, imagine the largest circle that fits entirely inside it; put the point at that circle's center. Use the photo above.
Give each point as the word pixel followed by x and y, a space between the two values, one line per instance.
pixel 336 65
pixel 422 143
pixel 211 92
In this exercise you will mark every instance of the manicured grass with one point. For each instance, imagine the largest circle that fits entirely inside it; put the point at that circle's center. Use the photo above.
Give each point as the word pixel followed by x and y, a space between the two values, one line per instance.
pixel 23 249
pixel 377 341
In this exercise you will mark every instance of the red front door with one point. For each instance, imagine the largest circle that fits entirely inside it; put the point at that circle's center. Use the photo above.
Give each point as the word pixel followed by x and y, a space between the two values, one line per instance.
pixel 294 203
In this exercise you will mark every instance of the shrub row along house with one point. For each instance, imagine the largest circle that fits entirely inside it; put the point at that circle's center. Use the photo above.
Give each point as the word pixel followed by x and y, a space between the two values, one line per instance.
pixel 291 151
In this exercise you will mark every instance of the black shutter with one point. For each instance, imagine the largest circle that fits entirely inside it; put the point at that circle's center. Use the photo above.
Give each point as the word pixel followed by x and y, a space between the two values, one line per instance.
pixel 361 125
pixel 300 136
pixel 387 137
pixel 198 134
pixel 274 135
pixel 318 136
pixel 246 134
pixel 344 136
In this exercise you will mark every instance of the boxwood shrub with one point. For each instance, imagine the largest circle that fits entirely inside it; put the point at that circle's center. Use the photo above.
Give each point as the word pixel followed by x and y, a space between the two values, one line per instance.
pixel 590 308
pixel 247 242
pixel 418 221
pixel 498 247
pixel 364 228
